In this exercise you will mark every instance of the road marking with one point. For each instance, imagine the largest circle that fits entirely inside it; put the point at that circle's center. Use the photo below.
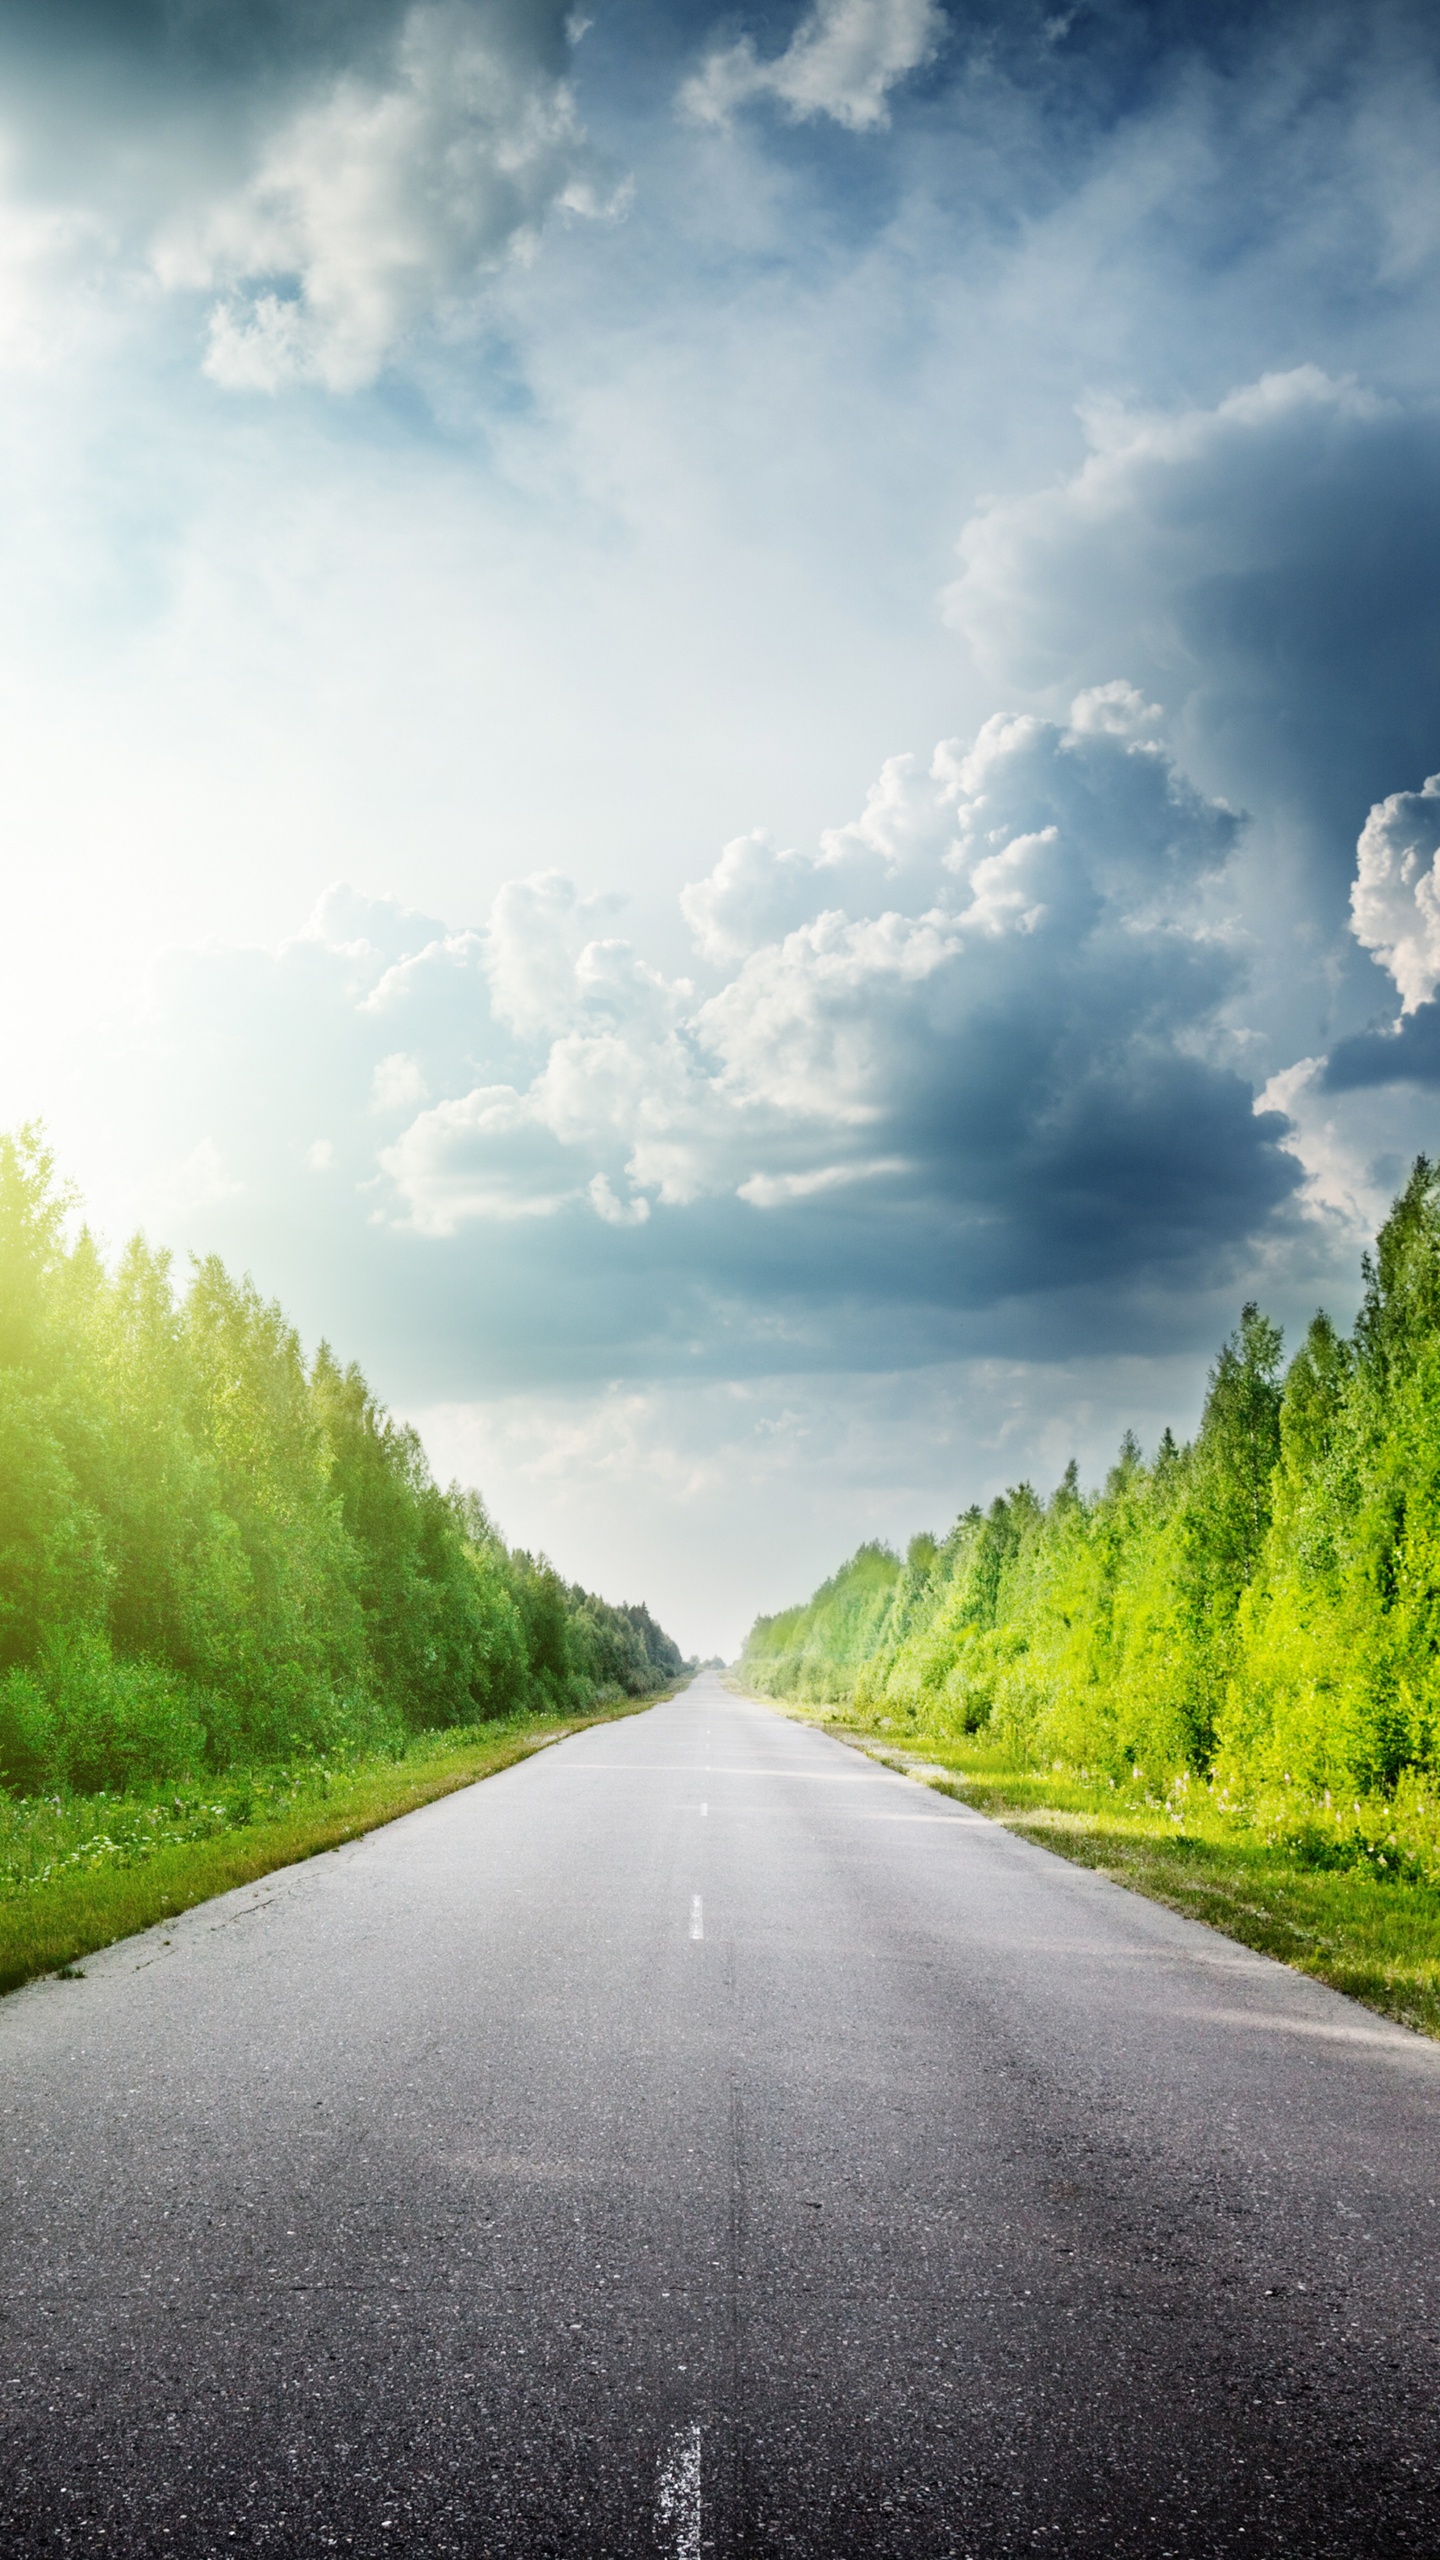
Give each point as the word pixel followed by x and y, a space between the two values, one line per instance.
pixel 704 1808
pixel 697 1916
pixel 677 2496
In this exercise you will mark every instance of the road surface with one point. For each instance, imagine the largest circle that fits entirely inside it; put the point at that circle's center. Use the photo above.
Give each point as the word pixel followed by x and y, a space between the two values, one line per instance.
pixel 694 2140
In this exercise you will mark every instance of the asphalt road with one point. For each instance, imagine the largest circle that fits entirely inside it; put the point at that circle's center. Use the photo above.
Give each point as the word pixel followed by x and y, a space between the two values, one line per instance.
pixel 700 2140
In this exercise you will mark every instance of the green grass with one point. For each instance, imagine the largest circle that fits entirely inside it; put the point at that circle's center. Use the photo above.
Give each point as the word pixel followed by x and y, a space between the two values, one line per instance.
pixel 1351 1896
pixel 78 1872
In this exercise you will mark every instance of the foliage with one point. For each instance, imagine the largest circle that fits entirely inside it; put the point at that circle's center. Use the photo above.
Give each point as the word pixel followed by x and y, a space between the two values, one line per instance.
pixel 817 1651
pixel 1260 1609
pixel 215 1556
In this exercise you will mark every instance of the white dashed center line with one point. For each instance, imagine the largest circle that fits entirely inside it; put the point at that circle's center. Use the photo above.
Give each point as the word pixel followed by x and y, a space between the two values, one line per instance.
pixel 677 2496
pixel 697 1916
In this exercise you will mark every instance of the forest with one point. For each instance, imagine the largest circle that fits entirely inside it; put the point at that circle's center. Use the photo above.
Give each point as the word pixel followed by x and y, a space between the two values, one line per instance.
pixel 1258 1609
pixel 215 1554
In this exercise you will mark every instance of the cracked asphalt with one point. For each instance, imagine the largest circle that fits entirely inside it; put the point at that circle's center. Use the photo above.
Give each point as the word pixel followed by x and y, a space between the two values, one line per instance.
pixel 698 2139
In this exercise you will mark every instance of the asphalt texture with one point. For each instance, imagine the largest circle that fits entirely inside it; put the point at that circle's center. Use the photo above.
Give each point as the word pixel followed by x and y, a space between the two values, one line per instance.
pixel 698 2139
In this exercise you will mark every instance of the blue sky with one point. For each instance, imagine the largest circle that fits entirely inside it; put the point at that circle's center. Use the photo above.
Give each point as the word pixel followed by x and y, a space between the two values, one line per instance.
pixel 716 724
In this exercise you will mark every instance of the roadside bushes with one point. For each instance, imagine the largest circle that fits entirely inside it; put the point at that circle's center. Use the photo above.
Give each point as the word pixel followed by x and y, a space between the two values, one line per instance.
pixel 821 1650
pixel 621 1650
pixel 214 1554
pixel 1261 1608
pixel 79 1718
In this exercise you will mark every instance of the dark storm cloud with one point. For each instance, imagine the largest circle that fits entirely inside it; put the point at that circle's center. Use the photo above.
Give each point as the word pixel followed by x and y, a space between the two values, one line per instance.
pixel 965 1060
pixel 226 43
pixel 1269 567
pixel 340 180
pixel 1086 68
pixel 325 184
pixel 1408 1053
pixel 190 82
pixel 981 1054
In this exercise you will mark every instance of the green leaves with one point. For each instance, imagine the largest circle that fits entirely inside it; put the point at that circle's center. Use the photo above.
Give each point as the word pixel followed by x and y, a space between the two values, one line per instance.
pixel 212 1555
pixel 1264 1604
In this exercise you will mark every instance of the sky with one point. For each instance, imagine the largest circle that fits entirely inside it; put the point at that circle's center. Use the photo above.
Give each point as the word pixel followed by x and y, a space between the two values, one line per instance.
pixel 721 729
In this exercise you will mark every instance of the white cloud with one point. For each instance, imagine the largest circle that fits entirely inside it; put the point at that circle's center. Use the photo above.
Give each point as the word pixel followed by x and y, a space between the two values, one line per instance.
pixel 772 1190
pixel 1355 1147
pixel 842 61
pixel 483 1156
pixel 398 1083
pixel 382 203
pixel 45 252
pixel 754 893
pixel 1163 497
pixel 538 930
pixel 1266 566
pixel 200 1180
pixel 665 568
pixel 1359 1116
pixel 1051 962
pixel 972 1051
pixel 1395 900
pixel 616 1213
pixel 805 1029
pixel 1115 710
pixel 1339 1181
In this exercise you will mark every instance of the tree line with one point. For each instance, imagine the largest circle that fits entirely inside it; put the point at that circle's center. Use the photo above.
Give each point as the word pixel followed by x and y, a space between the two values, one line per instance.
pixel 1260 1606
pixel 213 1552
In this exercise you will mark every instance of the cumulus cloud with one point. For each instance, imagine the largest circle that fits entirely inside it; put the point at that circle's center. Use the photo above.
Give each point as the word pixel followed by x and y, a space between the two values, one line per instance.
pixel 398 1083
pixel 842 61
pixel 1265 565
pixel 1395 901
pixel 1115 710
pixel 1163 498
pixel 1000 963
pixel 755 892
pixel 383 200
pixel 1395 915
pixel 487 1155
pixel 967 1053
pixel 333 184
pixel 1352 1126
pixel 616 1213
pixel 1013 598
pixel 541 934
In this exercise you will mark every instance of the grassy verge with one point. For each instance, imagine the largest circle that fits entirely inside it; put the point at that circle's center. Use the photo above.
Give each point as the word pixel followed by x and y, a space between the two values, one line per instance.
pixel 77 1873
pixel 1350 1903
